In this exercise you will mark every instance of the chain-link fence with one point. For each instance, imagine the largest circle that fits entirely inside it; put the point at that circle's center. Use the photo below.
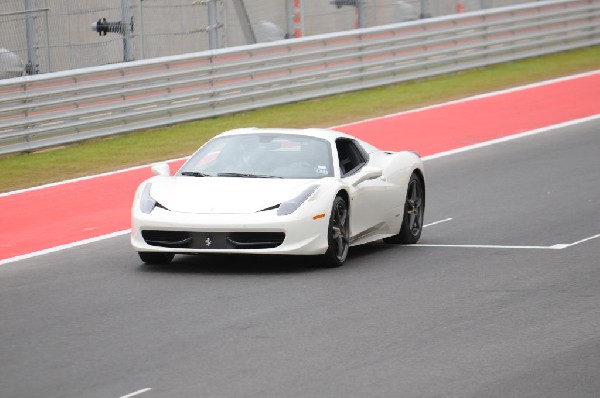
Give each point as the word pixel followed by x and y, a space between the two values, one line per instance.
pixel 40 36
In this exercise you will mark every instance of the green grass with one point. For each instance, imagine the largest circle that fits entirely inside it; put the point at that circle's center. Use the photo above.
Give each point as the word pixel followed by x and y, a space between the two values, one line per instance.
pixel 113 153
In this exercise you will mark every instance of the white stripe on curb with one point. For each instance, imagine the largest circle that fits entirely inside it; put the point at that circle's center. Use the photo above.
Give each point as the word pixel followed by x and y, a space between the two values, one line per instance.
pixel 63 247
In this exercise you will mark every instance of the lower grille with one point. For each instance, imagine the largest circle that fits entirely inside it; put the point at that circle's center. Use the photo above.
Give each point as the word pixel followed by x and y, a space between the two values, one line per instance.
pixel 167 238
pixel 214 240
pixel 256 240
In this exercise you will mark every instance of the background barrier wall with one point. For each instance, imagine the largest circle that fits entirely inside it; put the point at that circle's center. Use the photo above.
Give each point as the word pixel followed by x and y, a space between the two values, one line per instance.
pixel 62 107
pixel 54 35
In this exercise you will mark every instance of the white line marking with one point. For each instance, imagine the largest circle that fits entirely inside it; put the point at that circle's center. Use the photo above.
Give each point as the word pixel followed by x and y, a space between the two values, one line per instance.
pixel 559 246
pixel 63 247
pixel 485 246
pixel 133 394
pixel 437 222
pixel 580 241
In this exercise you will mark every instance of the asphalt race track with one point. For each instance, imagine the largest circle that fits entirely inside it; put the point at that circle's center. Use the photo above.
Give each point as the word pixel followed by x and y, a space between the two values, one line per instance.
pixel 501 299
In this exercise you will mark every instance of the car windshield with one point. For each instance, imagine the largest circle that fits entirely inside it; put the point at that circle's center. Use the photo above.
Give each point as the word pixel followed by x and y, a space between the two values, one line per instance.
pixel 262 156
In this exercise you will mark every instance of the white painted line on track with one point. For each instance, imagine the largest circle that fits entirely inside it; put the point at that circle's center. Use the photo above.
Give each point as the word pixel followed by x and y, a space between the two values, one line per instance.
pixel 485 246
pixel 63 247
pixel 133 394
pixel 437 222
pixel 559 246
pixel 576 243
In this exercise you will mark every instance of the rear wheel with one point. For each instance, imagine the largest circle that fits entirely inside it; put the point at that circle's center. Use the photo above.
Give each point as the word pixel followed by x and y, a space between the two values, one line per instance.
pixel 414 210
pixel 156 258
pixel 338 234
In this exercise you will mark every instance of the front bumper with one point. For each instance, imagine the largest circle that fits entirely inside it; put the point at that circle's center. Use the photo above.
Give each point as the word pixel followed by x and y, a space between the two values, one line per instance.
pixel 231 233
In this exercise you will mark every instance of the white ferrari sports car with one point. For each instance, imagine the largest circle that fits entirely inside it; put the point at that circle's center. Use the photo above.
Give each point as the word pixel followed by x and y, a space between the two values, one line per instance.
pixel 280 191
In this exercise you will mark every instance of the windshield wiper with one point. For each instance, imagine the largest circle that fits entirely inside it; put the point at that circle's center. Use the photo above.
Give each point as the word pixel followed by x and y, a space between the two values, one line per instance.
pixel 194 174
pixel 246 175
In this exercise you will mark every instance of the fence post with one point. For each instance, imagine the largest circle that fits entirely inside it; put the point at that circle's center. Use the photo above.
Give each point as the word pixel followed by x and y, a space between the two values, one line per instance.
pixel 32 67
pixel 360 11
pixel 295 18
pixel 140 28
pixel 213 39
pixel 47 38
pixel 126 22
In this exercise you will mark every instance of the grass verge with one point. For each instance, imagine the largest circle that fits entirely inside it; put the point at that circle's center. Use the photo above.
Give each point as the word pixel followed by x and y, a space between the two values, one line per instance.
pixel 113 153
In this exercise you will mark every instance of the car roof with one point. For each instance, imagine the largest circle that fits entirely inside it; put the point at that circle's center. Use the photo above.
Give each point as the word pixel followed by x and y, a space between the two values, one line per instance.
pixel 327 134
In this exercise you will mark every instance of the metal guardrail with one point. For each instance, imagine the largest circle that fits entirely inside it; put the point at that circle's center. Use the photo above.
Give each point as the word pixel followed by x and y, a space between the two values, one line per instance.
pixel 64 107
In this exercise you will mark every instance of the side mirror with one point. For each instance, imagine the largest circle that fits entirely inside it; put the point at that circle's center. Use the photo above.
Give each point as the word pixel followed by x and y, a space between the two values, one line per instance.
pixel 368 173
pixel 161 169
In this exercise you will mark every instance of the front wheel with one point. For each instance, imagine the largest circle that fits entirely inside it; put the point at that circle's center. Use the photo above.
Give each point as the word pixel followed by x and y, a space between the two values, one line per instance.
pixel 156 258
pixel 338 234
pixel 414 210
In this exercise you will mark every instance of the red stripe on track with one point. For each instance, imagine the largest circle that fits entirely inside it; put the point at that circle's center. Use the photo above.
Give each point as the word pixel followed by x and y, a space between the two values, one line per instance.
pixel 456 125
pixel 61 214
pixel 40 219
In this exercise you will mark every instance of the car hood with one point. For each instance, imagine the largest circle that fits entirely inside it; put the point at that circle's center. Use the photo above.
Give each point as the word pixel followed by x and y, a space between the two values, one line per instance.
pixel 224 195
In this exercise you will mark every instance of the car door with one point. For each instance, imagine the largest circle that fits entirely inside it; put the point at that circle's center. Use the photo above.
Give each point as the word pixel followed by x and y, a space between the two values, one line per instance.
pixel 366 210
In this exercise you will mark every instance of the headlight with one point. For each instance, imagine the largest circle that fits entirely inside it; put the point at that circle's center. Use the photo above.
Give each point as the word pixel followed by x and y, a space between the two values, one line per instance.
pixel 147 203
pixel 290 206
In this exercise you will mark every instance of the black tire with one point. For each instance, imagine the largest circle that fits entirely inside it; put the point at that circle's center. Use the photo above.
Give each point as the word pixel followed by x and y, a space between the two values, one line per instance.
pixel 338 234
pixel 414 210
pixel 156 258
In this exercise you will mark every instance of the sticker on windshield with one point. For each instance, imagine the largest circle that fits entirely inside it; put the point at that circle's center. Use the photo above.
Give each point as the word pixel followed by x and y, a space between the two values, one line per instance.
pixel 322 170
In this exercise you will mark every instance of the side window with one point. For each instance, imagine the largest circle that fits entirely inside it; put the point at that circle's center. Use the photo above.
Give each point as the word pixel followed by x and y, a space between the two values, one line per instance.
pixel 351 157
